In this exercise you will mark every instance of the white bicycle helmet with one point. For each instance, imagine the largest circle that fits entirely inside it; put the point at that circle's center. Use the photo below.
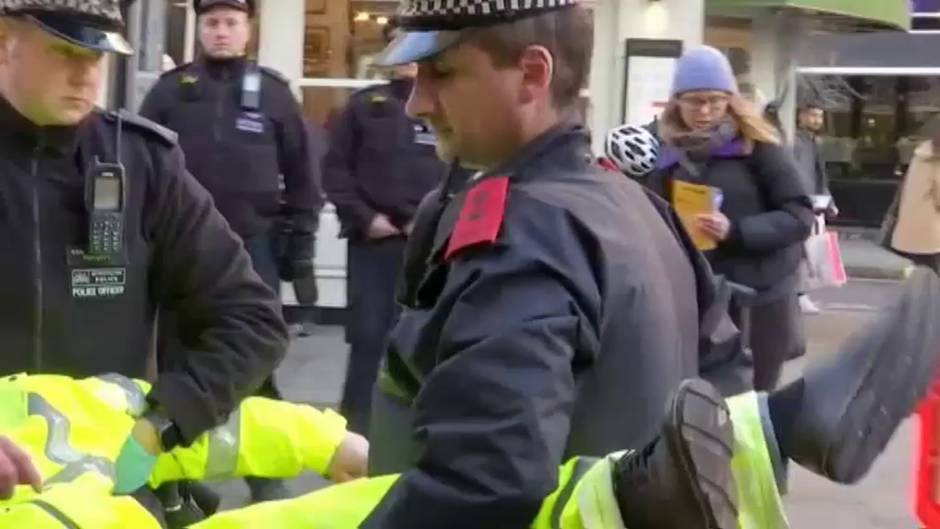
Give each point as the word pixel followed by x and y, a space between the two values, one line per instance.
pixel 634 150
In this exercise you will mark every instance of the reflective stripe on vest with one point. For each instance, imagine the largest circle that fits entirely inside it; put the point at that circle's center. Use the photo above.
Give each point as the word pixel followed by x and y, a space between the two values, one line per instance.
pixel 581 467
pixel 136 400
pixel 224 441
pixel 59 450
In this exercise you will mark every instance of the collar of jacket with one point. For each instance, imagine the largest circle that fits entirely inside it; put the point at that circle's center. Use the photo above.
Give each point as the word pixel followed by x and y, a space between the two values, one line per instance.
pixel 19 130
pixel 565 145
pixel 401 88
pixel 224 69
pixel 670 157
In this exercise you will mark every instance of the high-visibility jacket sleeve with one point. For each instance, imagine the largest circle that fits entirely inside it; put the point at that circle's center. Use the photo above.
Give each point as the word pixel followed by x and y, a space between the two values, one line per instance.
pixel 264 438
pixel 84 503
pixel 584 498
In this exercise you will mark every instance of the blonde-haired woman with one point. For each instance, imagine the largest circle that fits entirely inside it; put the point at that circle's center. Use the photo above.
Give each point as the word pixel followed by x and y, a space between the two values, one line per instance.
pixel 714 137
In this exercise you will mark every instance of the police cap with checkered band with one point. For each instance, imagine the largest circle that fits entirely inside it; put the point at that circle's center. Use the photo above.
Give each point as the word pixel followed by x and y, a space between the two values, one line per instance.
pixel 91 24
pixel 428 27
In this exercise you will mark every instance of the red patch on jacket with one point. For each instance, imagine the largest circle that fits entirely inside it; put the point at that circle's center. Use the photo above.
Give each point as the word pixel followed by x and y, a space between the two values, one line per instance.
pixel 481 216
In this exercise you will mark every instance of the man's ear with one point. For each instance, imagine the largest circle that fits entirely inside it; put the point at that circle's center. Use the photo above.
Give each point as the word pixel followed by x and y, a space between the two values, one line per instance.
pixel 8 30
pixel 4 39
pixel 538 68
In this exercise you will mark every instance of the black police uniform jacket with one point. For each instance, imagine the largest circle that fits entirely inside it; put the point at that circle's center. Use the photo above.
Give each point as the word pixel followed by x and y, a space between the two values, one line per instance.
pixel 551 312
pixel 380 159
pixel 67 316
pixel 240 154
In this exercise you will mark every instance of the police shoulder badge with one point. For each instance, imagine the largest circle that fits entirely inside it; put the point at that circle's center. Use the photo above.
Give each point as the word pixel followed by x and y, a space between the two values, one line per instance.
pixel 481 217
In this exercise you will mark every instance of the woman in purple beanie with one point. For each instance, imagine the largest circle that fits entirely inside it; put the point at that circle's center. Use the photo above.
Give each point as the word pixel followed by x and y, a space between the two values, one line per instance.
pixel 714 137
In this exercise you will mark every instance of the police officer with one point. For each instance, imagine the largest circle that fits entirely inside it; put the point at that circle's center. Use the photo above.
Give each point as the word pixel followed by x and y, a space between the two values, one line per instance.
pixel 556 303
pixel 380 164
pixel 100 223
pixel 241 128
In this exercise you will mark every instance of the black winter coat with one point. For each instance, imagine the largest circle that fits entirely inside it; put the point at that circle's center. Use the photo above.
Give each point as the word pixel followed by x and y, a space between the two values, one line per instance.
pixel 769 209
pixel 554 323
pixel 66 315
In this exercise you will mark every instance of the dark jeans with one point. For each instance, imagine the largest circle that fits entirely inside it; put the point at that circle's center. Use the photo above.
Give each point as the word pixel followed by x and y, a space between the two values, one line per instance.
pixel 170 345
pixel 373 269
pixel 776 335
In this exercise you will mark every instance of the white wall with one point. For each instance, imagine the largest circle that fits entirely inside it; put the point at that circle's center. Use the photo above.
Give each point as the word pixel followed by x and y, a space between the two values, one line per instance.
pixel 281 44
pixel 776 44
pixel 615 21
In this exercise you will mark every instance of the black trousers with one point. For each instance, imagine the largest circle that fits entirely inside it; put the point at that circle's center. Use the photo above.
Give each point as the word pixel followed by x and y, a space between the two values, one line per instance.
pixel 777 334
pixel 170 345
pixel 373 269
pixel 931 260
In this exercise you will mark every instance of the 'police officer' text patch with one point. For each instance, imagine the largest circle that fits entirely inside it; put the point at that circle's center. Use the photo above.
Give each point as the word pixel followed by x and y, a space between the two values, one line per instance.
pixel 98 282
pixel 481 216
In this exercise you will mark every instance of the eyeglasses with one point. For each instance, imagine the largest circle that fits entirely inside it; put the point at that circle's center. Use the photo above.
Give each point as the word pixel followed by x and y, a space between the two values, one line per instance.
pixel 713 103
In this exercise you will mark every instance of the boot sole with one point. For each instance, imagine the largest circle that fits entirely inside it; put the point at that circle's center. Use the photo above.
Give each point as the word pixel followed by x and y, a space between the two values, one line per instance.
pixel 700 432
pixel 902 368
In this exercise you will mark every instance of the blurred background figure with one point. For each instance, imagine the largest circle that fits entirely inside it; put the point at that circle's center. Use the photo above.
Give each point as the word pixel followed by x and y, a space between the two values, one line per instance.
pixel 380 164
pixel 714 137
pixel 811 118
pixel 917 232
pixel 244 137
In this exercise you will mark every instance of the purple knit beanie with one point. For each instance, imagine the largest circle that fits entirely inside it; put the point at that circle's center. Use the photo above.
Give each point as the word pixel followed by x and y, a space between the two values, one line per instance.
pixel 703 68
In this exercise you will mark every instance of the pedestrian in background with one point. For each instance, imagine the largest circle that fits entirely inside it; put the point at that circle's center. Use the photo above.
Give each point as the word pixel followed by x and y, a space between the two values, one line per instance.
pixel 715 138
pixel 380 164
pixel 242 130
pixel 811 118
pixel 917 232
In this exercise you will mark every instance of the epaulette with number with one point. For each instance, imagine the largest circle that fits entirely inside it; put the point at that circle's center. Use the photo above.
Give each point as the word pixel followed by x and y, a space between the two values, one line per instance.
pixel 141 123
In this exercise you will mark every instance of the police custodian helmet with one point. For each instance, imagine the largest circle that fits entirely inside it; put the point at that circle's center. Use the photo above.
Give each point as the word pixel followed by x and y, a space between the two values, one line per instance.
pixel 92 24
pixel 431 26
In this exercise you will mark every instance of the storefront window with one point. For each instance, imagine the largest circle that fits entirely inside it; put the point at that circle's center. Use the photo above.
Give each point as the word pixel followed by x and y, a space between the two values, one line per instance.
pixel 340 40
pixel 874 124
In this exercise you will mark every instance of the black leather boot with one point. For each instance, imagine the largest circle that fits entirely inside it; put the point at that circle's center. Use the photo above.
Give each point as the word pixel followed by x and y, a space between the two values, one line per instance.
pixel 683 478
pixel 853 401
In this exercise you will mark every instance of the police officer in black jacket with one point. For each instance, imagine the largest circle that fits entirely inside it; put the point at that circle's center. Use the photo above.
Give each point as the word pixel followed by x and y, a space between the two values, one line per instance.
pixel 241 129
pixel 380 164
pixel 549 305
pixel 100 223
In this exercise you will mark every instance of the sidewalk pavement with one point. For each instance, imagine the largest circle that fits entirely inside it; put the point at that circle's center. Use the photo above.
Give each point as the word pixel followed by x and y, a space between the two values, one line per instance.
pixel 866 259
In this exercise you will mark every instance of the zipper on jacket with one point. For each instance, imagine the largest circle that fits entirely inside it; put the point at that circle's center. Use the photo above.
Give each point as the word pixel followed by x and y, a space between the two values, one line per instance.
pixel 219 105
pixel 37 255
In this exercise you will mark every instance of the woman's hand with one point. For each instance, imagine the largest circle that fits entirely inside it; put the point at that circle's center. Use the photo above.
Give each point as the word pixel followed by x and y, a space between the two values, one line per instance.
pixel 715 225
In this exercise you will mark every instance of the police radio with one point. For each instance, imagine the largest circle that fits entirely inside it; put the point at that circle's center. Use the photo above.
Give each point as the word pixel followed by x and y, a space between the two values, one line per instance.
pixel 251 88
pixel 105 199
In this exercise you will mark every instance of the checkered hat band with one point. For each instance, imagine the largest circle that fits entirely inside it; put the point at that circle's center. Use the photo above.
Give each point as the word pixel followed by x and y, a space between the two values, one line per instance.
pixel 106 10
pixel 432 15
